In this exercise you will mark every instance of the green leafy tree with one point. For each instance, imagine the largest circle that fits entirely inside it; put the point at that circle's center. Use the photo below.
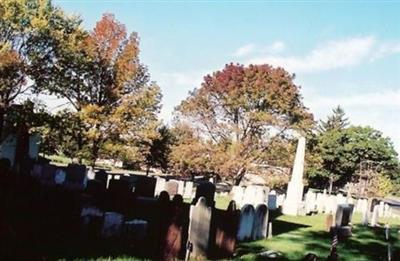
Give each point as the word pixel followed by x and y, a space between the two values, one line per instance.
pixel 336 121
pixel 27 28
pixel 115 103
pixel 238 111
pixel 342 151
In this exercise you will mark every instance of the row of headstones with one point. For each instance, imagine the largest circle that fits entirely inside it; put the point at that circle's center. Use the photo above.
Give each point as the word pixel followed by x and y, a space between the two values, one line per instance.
pixel 256 194
pixel 72 177
pixel 252 195
pixel 174 187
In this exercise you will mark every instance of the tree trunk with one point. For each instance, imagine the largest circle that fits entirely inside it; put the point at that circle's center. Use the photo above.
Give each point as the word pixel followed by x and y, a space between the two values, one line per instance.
pixel 239 176
pixel 330 185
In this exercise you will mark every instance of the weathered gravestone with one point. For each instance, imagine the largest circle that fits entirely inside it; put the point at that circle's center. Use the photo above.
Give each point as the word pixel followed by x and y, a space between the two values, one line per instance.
pixel 145 186
pixel 272 204
pixel 343 218
pixel 224 228
pixel 237 193
pixel 188 191
pixel 255 194
pixel 260 225
pixel 321 202
pixel 181 187
pixel 174 243
pixel 75 178
pixel 119 197
pixel 199 227
pixel 112 225
pixel 172 188
pixel 246 223
pixel 311 202
pixel 206 190
pixel 160 186
pixel 375 216
pixel 48 175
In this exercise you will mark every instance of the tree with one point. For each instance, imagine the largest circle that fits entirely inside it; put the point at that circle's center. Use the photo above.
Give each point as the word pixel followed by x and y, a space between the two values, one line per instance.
pixel 101 76
pixel 26 46
pixel 336 121
pixel 342 152
pixel 239 110
pixel 160 149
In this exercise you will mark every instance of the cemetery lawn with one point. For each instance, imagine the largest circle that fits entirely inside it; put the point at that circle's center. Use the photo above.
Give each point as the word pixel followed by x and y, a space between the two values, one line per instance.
pixel 294 237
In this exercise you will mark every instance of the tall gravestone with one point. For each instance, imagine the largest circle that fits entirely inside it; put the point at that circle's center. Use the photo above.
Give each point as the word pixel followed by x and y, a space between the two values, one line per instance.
pixel 237 194
pixel 224 227
pixel 177 222
pixel 294 193
pixel 199 227
pixel 246 223
pixel 260 225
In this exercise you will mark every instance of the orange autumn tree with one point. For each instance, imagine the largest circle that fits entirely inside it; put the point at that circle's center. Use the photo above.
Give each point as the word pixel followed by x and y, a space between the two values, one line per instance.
pixel 102 77
pixel 236 115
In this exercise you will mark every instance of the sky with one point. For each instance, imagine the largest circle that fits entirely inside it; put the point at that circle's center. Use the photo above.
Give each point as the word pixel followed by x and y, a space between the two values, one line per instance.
pixel 342 52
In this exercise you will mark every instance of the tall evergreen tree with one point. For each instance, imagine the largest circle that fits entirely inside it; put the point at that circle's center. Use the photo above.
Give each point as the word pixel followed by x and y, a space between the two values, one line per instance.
pixel 336 121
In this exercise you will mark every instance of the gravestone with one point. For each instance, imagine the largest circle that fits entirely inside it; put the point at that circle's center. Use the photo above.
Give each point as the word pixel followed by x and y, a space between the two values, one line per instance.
pixel 255 194
pixel 172 188
pixel 272 204
pixel 145 186
pixel 75 178
pixel 199 227
pixel 47 178
pixel 280 199
pixel 135 230
pixel 174 243
pixel 224 227
pixel 60 176
pixel 311 201
pixel 320 202
pixel 160 186
pixel 246 223
pixel 381 208
pixel 328 222
pixel 112 225
pixel 188 191
pixel 294 193
pixel 181 187
pixel 260 225
pixel 344 215
pixel 375 216
pixel 237 194
pixel 206 190
pixel 102 176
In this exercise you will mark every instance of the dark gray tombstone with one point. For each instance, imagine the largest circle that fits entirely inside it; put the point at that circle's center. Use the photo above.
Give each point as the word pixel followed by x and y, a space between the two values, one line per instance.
pixel 47 178
pixel 344 214
pixel 199 226
pixel 145 186
pixel 206 190
pixel 75 178
pixel 260 225
pixel 246 223
pixel 171 187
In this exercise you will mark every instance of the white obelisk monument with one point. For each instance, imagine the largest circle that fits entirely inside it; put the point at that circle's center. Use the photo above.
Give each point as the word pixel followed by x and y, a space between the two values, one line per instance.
pixel 294 193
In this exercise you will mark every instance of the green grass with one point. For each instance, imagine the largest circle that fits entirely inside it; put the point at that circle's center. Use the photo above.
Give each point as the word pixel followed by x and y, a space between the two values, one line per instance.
pixel 294 237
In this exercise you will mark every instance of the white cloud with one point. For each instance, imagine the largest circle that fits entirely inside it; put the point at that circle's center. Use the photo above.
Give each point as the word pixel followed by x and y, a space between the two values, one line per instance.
pixel 244 50
pixel 380 110
pixel 276 47
pixel 332 55
pixel 386 98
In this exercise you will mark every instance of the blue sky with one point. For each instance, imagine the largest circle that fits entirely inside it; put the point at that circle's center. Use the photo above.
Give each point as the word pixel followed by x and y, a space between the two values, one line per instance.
pixel 342 52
